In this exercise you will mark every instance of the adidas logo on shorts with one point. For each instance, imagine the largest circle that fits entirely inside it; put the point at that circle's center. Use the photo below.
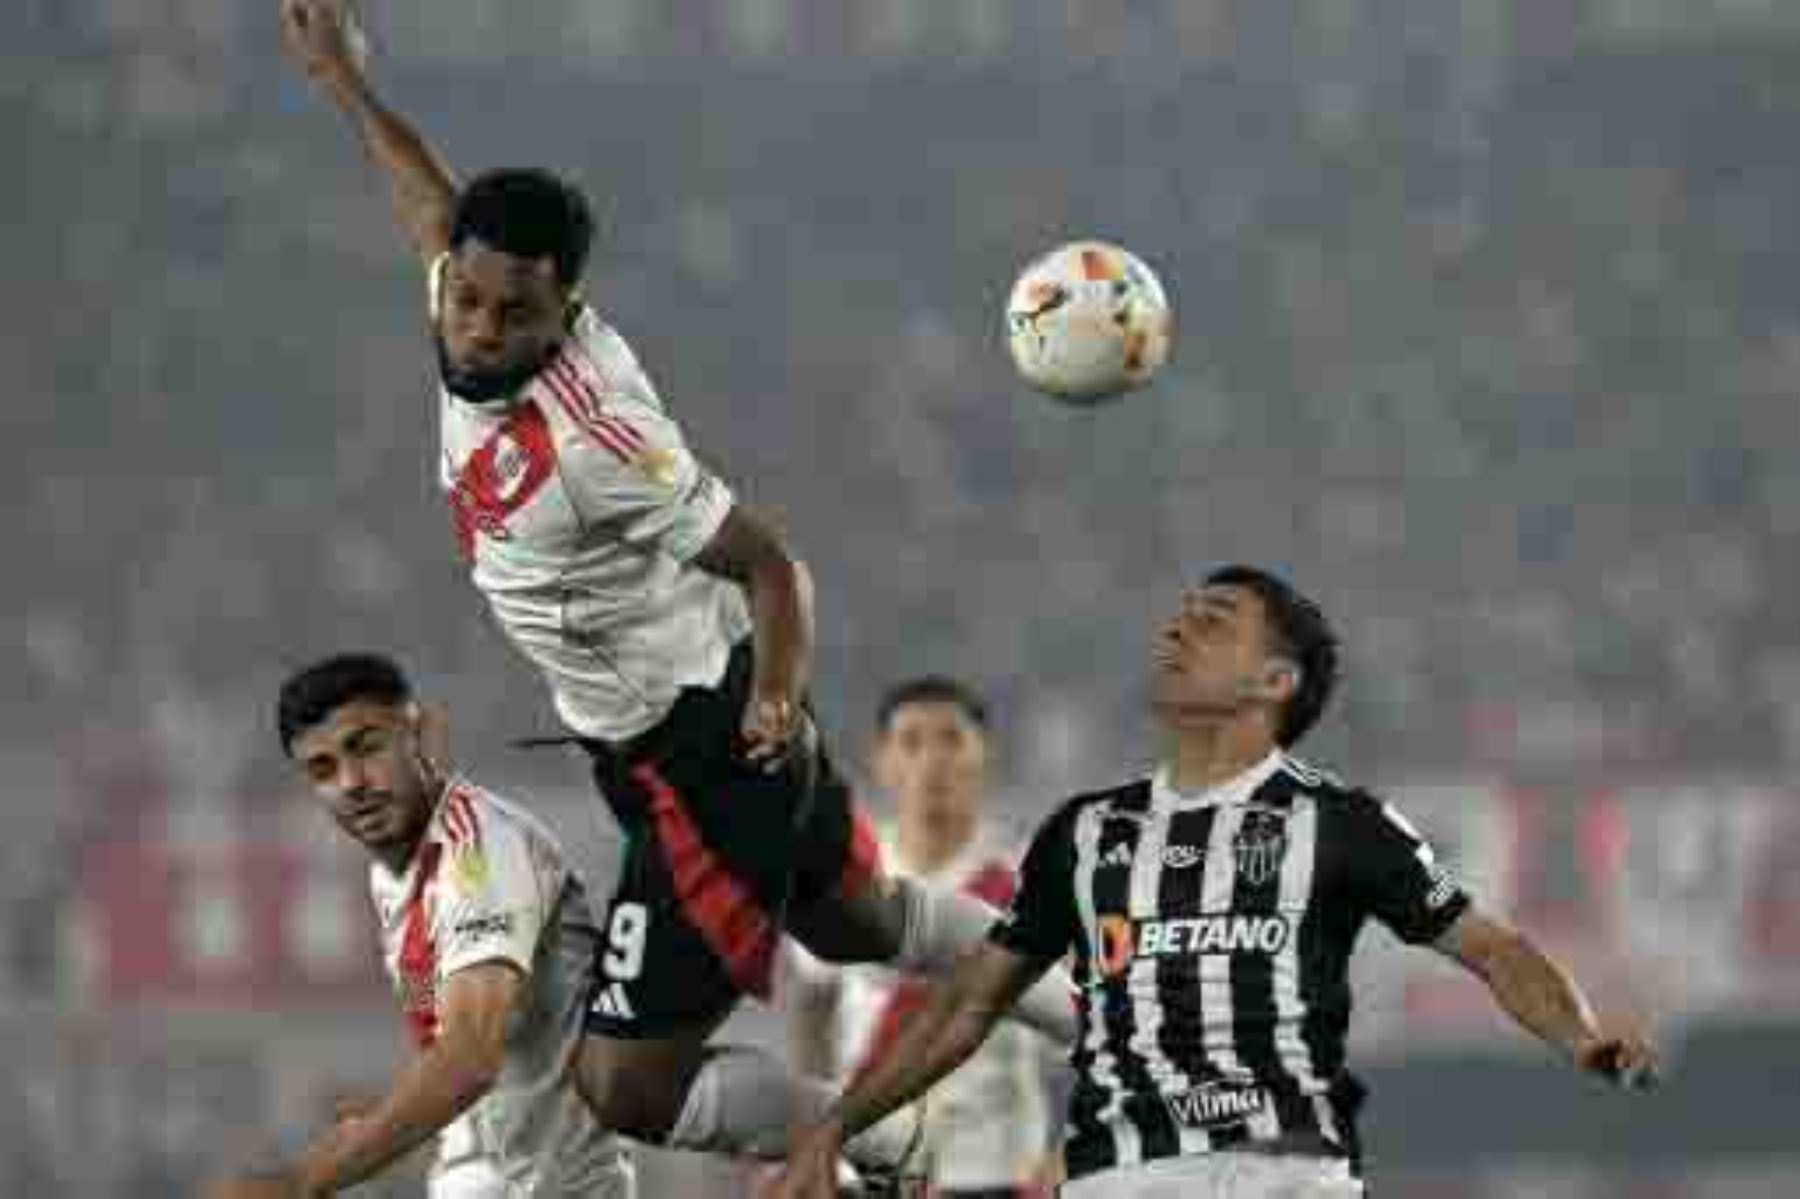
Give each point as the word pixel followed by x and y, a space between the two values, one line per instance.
pixel 612 1002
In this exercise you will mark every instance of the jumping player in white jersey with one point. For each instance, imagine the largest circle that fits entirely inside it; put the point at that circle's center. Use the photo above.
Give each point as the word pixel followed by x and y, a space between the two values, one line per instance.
pixel 1212 909
pixel 489 939
pixel 987 1128
pixel 674 628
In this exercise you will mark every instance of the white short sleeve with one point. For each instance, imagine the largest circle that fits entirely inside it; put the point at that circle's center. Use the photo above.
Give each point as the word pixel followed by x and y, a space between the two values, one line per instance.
pixel 631 470
pixel 492 905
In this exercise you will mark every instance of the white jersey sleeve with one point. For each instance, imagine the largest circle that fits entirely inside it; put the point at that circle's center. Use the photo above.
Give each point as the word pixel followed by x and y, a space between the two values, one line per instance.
pixel 495 899
pixel 632 471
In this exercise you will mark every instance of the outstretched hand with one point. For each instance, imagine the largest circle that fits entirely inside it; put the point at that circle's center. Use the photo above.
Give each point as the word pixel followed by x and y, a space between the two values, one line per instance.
pixel 323 37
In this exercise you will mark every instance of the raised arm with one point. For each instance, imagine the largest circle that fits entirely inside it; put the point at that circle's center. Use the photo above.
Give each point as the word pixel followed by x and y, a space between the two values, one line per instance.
pixel 959 1013
pixel 322 37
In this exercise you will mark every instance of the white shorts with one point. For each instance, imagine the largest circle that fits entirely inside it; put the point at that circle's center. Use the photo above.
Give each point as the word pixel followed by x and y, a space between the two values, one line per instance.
pixel 472 1178
pixel 480 1178
pixel 1222 1176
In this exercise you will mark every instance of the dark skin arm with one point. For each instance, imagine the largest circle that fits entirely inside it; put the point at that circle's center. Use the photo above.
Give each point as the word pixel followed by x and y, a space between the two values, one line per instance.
pixel 749 551
pixel 326 45
pixel 959 1013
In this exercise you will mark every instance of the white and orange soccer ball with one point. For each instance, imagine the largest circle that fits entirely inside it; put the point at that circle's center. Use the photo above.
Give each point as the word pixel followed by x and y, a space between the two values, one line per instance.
pixel 1088 322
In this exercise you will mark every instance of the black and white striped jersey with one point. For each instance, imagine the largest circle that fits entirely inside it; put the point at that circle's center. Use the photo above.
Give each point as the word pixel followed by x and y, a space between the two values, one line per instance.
pixel 1212 938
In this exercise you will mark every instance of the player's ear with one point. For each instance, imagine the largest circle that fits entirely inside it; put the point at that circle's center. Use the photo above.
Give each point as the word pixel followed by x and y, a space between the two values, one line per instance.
pixel 434 285
pixel 1281 678
pixel 430 726
pixel 573 303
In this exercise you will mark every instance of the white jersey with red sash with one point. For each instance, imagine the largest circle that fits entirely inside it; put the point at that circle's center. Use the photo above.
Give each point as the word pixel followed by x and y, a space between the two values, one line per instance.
pixel 580 508
pixel 490 884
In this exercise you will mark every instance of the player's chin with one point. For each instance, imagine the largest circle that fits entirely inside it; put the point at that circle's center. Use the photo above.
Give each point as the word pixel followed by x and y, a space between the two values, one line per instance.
pixel 1169 688
pixel 376 829
pixel 1177 700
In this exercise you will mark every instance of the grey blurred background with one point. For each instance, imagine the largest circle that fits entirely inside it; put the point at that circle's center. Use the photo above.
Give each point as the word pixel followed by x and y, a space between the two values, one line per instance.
pixel 1490 335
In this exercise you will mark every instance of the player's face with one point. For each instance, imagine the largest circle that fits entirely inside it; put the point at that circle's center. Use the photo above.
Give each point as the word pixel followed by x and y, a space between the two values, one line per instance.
pixel 1213 656
pixel 932 758
pixel 365 764
pixel 500 319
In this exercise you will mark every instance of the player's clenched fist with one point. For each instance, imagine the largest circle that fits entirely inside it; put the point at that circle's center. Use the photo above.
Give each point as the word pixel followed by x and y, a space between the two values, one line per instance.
pixel 323 36
pixel 1628 1060
pixel 774 728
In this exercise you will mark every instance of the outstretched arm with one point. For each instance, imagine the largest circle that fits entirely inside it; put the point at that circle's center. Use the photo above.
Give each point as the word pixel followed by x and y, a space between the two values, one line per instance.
pixel 959 1013
pixel 1544 1000
pixel 322 37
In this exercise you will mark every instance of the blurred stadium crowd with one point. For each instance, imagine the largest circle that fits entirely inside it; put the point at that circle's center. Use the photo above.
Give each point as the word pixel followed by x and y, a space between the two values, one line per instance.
pixel 1490 321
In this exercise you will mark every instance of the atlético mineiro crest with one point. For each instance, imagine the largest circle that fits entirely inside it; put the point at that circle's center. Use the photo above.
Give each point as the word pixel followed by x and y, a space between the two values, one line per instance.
pixel 1259 846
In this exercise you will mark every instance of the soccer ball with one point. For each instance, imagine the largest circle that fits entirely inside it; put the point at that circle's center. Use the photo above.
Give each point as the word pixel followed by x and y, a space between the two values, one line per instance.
pixel 1088 322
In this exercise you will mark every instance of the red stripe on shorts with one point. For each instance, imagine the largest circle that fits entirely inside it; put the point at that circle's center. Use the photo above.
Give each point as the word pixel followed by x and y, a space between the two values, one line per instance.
pixel 862 857
pixel 727 916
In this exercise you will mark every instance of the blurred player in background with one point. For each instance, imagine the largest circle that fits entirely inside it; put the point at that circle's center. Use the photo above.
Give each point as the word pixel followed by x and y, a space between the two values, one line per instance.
pixel 987 1128
pixel 1212 909
pixel 489 939
pixel 673 626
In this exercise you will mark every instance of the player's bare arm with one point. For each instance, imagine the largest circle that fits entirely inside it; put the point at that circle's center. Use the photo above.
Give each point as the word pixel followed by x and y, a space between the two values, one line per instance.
pixel 322 39
pixel 433 1088
pixel 958 1014
pixel 749 551
pixel 1544 1000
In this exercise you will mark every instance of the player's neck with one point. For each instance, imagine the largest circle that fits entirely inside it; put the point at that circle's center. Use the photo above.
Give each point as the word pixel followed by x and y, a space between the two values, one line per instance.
pixel 398 857
pixel 924 848
pixel 1202 756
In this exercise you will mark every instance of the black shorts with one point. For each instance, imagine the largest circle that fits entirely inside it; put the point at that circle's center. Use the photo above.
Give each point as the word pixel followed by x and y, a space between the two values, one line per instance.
pixel 717 850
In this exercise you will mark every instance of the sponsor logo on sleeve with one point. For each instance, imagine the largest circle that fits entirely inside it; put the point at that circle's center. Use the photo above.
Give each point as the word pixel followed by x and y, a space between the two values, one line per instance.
pixel 1443 887
pixel 489 924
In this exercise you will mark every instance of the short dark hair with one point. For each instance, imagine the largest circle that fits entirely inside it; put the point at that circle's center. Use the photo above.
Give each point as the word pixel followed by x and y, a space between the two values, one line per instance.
pixel 527 213
pixel 1300 632
pixel 931 689
pixel 311 695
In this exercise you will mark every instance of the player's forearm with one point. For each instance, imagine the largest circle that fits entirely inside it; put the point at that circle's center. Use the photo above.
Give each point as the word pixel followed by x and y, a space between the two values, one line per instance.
pixel 781 612
pixel 429 1092
pixel 1539 994
pixel 935 1040
pixel 419 184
